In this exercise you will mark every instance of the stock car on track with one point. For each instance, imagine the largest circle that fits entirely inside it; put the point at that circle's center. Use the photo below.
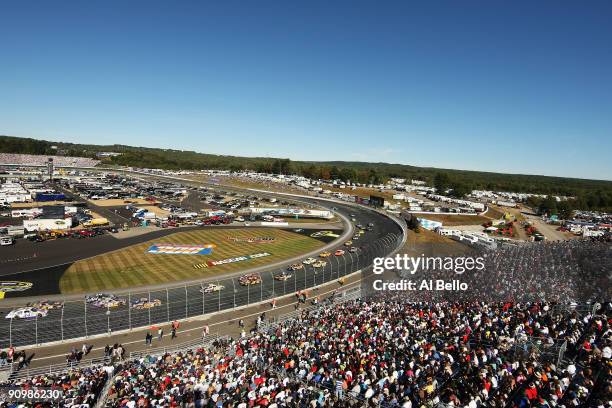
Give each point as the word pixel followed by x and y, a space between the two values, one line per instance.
pixel 353 250
pixel 145 303
pixel 295 267
pixel 348 243
pixel 45 305
pixel 249 279
pixel 325 254
pixel 339 252
pixel 309 261
pixel 319 264
pixel 283 276
pixel 105 300
pixel 211 287
pixel 26 313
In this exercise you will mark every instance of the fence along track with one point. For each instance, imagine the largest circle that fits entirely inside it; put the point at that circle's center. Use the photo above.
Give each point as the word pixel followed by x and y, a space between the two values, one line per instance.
pixel 78 319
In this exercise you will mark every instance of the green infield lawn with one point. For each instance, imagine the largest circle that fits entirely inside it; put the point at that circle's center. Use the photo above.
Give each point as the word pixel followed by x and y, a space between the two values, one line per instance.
pixel 134 266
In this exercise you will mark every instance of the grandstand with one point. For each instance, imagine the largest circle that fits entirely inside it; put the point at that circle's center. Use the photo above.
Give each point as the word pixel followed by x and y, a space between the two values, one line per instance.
pixel 385 351
pixel 566 271
pixel 36 160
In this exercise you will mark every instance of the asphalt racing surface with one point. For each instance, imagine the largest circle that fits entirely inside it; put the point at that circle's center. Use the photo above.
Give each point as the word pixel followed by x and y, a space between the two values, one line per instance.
pixel 80 319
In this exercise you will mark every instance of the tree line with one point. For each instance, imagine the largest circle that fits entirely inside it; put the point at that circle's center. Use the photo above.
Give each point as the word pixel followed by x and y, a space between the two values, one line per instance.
pixel 589 194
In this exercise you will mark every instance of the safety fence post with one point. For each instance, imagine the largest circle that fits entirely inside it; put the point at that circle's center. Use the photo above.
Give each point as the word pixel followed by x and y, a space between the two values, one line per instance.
pixel 167 306
pixel 62 323
pixel 186 302
pixel 234 290
pixel 85 305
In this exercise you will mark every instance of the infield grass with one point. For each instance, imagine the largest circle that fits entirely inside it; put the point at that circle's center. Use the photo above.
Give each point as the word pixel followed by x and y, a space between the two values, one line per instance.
pixel 134 266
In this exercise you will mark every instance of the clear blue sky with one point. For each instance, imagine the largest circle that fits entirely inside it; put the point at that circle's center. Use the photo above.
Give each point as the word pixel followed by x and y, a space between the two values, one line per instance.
pixel 522 87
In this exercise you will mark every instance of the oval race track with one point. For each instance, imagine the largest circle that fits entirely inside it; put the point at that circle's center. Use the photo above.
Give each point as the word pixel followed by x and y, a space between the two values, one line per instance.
pixel 79 319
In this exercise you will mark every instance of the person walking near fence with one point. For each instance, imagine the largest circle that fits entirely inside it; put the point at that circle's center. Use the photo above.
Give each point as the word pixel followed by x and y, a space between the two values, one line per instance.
pixel 173 331
pixel 160 334
pixel 148 339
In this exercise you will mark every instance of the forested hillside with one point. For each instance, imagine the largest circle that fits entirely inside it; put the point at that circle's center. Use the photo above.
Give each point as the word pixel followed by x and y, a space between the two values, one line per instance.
pixel 590 194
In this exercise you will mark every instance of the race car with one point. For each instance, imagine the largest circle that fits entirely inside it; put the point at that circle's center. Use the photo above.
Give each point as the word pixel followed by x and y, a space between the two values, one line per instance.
pixel 309 261
pixel 283 276
pixel 348 243
pixel 324 254
pixel 295 267
pixel 319 264
pixel 26 313
pixel 145 303
pixel 353 250
pixel 249 279
pixel 105 300
pixel 45 305
pixel 339 252
pixel 211 287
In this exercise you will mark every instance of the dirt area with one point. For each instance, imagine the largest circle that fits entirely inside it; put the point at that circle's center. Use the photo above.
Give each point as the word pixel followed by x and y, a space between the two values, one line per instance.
pixel 549 231
pixel 494 213
pixel 154 209
pixel 248 183
pixel 514 212
pixel 430 243
pixel 37 204
pixel 116 202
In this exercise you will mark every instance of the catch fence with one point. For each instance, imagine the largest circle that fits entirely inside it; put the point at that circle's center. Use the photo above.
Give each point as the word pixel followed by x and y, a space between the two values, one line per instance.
pixel 82 319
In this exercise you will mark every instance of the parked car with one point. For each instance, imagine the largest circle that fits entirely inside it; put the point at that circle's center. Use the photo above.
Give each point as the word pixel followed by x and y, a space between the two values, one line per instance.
pixel 6 241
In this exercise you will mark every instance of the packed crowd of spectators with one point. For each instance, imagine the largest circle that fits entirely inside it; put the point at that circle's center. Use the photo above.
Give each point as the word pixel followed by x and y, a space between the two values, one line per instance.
pixel 36 160
pixel 80 388
pixel 564 271
pixel 531 336
pixel 385 351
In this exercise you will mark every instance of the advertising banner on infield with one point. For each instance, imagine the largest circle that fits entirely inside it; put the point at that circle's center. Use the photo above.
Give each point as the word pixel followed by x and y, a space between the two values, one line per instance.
pixel 175 249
